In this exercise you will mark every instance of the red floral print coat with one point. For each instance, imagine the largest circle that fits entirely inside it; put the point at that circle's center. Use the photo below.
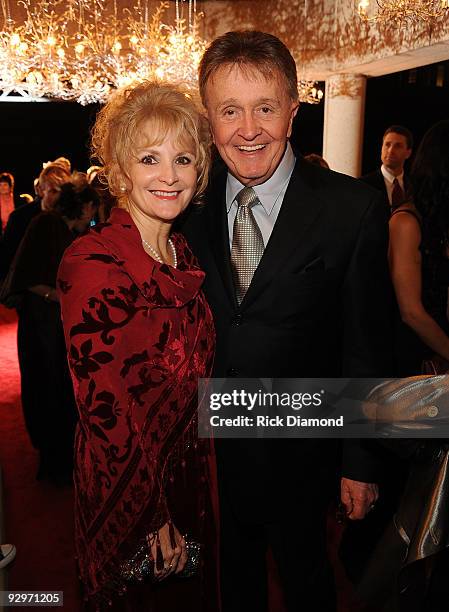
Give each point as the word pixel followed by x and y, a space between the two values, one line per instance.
pixel 139 334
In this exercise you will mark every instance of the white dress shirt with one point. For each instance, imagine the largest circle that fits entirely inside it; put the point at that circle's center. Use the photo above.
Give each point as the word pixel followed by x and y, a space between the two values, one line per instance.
pixel 271 195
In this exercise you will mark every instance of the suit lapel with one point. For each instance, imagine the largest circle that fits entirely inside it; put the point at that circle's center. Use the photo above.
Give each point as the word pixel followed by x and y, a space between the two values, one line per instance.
pixel 300 209
pixel 219 233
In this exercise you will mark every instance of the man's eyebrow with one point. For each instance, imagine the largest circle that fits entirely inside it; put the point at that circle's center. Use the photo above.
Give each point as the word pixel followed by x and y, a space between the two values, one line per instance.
pixel 235 102
pixel 227 102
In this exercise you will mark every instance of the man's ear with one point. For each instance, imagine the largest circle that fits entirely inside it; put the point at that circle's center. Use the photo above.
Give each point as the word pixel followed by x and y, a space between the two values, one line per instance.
pixel 293 111
pixel 410 151
pixel 207 115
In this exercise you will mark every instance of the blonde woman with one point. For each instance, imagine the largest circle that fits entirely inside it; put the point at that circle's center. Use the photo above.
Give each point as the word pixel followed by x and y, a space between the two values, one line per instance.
pixel 139 334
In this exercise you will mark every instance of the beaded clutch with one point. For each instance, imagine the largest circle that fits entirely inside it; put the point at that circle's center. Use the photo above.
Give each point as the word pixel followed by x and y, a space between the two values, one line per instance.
pixel 141 565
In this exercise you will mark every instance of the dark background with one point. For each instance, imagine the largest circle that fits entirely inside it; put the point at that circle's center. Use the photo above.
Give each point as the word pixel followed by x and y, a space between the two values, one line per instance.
pixel 36 132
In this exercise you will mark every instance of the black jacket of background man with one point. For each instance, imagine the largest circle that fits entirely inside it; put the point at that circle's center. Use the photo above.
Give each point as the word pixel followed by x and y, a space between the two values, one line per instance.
pixel 15 230
pixel 376 180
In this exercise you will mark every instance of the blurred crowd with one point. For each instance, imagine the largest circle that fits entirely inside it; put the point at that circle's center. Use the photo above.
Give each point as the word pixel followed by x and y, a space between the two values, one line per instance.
pixel 35 233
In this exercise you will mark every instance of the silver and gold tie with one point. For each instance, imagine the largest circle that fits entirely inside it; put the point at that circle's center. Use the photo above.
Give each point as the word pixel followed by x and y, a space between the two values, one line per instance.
pixel 247 242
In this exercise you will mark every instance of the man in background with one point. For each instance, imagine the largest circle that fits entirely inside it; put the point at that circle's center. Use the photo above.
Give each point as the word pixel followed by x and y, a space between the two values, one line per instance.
pixel 390 178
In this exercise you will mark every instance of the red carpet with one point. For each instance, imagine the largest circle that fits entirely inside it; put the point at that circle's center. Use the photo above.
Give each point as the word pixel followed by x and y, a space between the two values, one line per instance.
pixel 38 516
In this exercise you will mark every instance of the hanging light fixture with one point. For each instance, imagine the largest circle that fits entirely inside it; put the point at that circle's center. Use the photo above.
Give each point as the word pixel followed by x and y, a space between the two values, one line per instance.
pixel 402 11
pixel 82 49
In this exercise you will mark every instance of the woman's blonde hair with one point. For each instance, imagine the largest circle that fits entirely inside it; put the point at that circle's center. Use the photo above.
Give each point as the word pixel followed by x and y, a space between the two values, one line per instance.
pixel 55 174
pixel 169 109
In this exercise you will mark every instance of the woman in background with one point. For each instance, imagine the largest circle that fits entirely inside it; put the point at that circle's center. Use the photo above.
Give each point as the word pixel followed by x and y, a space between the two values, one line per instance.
pixel 7 201
pixel 49 408
pixel 139 334
pixel 408 571
pixel 419 257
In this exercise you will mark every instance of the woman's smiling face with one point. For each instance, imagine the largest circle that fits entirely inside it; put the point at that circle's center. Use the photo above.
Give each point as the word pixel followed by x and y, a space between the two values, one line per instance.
pixel 161 178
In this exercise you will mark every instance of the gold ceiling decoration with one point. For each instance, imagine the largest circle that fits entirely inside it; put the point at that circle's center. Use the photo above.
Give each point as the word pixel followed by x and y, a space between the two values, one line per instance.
pixel 401 12
pixel 83 49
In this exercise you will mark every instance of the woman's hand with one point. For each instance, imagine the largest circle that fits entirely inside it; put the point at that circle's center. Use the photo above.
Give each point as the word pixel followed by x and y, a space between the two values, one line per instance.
pixel 168 550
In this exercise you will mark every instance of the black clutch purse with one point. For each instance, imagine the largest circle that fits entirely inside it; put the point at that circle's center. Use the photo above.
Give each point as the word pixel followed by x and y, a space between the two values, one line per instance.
pixel 140 567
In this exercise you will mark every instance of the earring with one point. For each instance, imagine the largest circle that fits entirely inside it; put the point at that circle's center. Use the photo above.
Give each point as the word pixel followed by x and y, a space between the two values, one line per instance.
pixel 122 188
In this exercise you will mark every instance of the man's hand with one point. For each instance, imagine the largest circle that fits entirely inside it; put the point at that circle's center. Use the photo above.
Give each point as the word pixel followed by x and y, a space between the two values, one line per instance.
pixel 358 497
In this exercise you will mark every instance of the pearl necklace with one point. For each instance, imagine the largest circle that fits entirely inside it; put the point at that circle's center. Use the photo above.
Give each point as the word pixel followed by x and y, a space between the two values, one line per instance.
pixel 157 256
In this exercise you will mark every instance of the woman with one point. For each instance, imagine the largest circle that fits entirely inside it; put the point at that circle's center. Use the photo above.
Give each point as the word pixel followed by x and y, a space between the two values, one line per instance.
pixel 419 251
pixel 47 394
pixel 139 334
pixel 30 362
pixel 409 568
pixel 7 200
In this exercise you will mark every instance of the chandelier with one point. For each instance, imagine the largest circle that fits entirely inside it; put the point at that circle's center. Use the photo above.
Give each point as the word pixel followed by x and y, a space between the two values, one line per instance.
pixel 309 92
pixel 83 49
pixel 402 11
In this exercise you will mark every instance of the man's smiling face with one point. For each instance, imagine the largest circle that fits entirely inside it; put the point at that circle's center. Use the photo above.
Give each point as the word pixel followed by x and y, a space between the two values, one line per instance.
pixel 251 119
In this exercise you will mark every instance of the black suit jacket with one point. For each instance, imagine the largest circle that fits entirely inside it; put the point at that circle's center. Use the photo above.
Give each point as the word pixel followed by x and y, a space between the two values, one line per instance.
pixel 317 307
pixel 15 230
pixel 376 180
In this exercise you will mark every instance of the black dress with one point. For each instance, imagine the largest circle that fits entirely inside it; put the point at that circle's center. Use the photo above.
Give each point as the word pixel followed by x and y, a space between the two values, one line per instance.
pixel 47 394
pixel 410 350
pixel 361 537
pixel 412 577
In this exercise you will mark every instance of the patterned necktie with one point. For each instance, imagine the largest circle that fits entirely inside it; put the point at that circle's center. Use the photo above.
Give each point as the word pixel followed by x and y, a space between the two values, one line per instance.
pixel 247 242
pixel 397 195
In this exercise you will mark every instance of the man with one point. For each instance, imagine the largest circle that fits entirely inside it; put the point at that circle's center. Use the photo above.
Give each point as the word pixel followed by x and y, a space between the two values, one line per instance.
pixel 21 217
pixel 313 308
pixel 390 179
pixel 15 230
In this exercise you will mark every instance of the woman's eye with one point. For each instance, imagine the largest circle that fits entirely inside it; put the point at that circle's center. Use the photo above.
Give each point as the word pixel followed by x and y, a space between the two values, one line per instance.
pixel 183 160
pixel 148 160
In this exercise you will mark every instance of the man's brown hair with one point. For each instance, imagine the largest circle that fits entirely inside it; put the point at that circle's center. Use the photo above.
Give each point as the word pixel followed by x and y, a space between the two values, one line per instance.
pixel 249 49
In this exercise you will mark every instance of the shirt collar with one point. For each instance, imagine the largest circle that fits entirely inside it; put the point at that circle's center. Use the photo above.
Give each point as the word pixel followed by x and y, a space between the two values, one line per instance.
pixel 268 192
pixel 390 177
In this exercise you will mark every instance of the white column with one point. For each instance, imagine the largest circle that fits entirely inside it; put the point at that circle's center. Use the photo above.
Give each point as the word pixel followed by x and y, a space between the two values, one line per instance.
pixel 344 114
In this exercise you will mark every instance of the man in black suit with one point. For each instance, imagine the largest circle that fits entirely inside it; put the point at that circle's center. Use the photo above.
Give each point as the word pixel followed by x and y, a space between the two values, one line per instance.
pixel 390 178
pixel 15 230
pixel 314 307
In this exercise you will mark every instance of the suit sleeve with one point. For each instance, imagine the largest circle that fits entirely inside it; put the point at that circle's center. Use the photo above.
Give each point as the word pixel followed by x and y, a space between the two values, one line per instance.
pixel 39 253
pixel 367 326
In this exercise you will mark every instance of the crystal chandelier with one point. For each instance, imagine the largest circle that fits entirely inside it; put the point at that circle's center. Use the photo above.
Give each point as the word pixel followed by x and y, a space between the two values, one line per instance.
pixel 83 49
pixel 402 11
pixel 309 92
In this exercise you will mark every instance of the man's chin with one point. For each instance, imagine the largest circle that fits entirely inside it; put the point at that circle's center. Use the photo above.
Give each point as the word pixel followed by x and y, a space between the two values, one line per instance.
pixel 251 177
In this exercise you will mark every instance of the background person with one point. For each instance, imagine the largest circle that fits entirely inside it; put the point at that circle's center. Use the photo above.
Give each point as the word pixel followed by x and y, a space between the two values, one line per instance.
pixel 8 202
pixel 419 257
pixel 139 334
pixel 52 176
pixel 413 577
pixel 316 159
pixel 390 179
pixel 47 398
